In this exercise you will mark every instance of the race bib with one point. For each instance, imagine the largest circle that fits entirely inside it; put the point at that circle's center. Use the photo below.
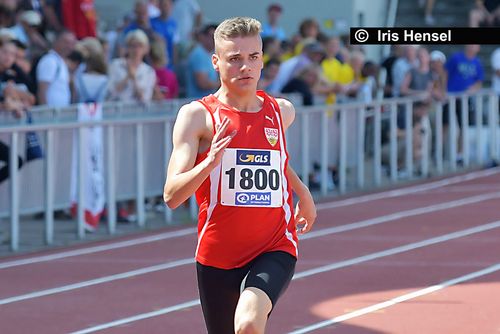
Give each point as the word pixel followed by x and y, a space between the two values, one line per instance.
pixel 251 178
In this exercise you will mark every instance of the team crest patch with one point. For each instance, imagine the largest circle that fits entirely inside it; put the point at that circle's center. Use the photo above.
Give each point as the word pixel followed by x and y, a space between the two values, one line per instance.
pixel 271 135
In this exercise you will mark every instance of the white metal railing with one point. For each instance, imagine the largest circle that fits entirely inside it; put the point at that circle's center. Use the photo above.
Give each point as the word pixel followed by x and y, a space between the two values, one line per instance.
pixel 347 136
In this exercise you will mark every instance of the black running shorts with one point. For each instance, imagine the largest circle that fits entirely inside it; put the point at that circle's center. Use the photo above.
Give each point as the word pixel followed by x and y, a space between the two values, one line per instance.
pixel 220 289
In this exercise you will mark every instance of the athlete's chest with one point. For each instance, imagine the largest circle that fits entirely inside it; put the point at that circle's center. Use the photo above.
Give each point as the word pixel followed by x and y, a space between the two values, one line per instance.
pixel 260 130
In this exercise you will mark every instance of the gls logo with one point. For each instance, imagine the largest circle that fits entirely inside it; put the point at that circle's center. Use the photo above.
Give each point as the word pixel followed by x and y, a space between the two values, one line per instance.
pixel 247 157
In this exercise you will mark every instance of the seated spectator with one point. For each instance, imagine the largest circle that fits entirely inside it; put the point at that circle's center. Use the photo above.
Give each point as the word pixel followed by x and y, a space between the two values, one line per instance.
pixel 130 78
pixel 485 13
pixel 271 28
pixel 269 73
pixel 201 77
pixel 312 52
pixel 167 86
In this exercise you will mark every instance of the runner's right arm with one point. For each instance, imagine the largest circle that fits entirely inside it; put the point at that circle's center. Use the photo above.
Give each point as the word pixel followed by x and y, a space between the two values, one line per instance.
pixel 183 177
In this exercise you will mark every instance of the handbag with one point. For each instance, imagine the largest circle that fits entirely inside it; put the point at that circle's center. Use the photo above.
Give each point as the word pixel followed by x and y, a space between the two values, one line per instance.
pixel 33 146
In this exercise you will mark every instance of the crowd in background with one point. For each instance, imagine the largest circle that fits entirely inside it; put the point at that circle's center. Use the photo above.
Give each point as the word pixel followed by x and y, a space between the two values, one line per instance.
pixel 51 53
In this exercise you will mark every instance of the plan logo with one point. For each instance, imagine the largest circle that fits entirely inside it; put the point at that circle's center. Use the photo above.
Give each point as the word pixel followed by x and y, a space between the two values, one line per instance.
pixel 253 199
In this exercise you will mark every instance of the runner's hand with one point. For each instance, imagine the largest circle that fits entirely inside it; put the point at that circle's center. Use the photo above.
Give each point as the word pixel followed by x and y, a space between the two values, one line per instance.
pixel 220 142
pixel 305 213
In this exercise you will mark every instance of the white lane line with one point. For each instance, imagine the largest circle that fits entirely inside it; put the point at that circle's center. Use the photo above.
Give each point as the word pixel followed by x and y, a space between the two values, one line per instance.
pixel 96 281
pixel 95 249
pixel 141 317
pixel 333 266
pixel 409 190
pixel 397 300
pixel 310 235
pixel 401 214
pixel 187 231
pixel 397 250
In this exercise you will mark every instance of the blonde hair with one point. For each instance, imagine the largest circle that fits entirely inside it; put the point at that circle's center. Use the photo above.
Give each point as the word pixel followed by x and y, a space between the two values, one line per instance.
pixel 237 27
pixel 137 35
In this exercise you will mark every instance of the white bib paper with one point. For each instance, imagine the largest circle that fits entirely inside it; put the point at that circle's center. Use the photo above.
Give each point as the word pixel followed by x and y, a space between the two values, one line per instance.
pixel 251 178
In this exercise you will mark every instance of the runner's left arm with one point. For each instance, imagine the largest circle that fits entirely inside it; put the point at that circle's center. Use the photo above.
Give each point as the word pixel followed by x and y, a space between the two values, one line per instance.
pixel 305 211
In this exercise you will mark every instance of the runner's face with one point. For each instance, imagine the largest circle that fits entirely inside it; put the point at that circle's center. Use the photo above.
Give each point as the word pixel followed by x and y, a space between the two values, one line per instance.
pixel 239 61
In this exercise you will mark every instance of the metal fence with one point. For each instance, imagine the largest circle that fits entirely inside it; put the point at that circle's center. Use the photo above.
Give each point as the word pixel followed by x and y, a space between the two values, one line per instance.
pixel 360 143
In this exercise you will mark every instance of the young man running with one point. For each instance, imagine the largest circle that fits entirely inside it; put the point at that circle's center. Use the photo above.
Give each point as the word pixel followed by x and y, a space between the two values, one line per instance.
pixel 230 149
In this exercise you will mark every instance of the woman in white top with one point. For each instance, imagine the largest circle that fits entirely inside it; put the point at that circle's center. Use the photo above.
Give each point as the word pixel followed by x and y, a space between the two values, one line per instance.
pixel 130 79
pixel 91 84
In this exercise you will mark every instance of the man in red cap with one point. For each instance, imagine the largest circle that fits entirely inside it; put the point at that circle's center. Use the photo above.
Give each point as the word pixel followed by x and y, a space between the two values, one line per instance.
pixel 272 29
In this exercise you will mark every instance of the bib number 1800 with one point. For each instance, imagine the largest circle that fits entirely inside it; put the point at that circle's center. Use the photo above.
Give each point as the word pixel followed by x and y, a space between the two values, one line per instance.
pixel 258 178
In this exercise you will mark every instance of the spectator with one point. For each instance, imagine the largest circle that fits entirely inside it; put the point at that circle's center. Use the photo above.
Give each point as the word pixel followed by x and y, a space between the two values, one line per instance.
pixel 308 30
pixel 439 76
pixel 52 13
pixel 79 16
pixel 465 72
pixel 187 14
pixel 10 71
pixel 22 60
pixel 310 84
pixel 166 27
pixel 153 10
pixel 418 80
pixel 485 13
pixel 465 75
pixel 7 13
pixel 428 6
pixel 312 52
pixel 271 69
pixel 271 48
pixel 402 66
pixel 26 31
pixel 91 83
pixel 9 102
pixel 272 28
pixel 141 21
pixel 388 64
pixel 130 79
pixel 201 77
pixel 53 77
pixel 167 86
pixel 495 64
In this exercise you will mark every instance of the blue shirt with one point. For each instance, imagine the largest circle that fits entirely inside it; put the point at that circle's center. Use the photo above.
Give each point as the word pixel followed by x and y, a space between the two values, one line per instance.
pixel 269 31
pixel 463 72
pixel 199 61
pixel 168 30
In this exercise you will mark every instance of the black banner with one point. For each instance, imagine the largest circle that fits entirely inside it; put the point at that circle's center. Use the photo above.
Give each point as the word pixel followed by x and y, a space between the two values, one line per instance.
pixel 412 35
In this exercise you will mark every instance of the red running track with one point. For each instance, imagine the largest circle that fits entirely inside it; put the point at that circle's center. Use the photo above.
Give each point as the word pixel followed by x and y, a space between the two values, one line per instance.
pixel 363 254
